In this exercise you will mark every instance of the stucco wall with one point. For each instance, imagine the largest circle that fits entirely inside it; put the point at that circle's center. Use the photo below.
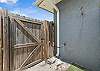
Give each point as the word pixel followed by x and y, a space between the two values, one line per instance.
pixel 80 32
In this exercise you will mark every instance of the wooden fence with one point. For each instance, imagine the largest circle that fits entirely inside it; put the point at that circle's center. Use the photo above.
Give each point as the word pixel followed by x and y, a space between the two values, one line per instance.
pixel 24 42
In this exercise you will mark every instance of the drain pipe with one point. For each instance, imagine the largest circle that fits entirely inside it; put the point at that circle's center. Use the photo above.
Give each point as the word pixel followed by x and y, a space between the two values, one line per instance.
pixel 58 50
pixel 57 10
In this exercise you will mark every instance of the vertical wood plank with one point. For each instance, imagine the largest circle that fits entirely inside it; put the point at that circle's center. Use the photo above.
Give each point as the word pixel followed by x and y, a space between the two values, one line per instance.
pixel 1 42
pixel 6 42
pixel 51 38
pixel 46 39
pixel 12 39
pixel 10 48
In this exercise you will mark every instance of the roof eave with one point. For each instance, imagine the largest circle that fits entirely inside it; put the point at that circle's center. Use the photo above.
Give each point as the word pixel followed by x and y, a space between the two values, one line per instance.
pixel 39 2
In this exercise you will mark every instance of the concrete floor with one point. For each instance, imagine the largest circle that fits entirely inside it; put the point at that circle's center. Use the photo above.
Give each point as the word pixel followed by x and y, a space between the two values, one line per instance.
pixel 47 67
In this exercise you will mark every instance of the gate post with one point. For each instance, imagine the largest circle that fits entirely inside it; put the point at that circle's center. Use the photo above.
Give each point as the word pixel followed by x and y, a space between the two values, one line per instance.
pixel 1 53
pixel 6 41
pixel 46 39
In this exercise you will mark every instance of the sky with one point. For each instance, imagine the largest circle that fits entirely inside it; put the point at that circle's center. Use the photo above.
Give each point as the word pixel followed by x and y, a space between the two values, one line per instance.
pixel 26 8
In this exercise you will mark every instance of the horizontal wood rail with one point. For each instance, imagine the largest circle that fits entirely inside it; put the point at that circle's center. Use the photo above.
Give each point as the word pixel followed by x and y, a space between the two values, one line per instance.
pixel 18 46
pixel 26 19
pixel 30 21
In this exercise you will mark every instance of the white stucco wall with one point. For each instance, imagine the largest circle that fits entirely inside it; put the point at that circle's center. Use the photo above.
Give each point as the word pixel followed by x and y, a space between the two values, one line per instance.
pixel 81 34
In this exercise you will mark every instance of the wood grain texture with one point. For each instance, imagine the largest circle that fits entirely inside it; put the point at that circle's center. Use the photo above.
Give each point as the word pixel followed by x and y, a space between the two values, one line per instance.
pixel 6 41
pixel 20 36
pixel 1 52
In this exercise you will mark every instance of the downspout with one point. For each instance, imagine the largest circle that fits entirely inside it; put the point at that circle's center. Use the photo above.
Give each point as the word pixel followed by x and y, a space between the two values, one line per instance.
pixel 58 50
pixel 58 12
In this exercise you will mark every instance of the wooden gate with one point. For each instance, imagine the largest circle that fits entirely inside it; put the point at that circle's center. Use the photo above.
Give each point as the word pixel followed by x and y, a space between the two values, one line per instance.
pixel 24 42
